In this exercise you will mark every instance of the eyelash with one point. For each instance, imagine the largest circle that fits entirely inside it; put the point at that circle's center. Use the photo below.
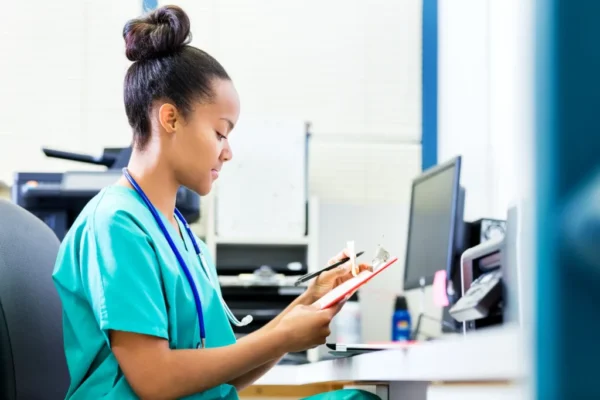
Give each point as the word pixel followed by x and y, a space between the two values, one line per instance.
pixel 221 137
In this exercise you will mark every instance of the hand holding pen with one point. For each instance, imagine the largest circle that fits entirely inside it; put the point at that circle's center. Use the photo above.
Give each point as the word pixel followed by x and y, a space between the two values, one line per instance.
pixel 338 271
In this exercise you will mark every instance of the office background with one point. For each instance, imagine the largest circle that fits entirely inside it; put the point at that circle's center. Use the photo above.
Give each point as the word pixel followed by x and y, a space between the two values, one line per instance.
pixel 388 87
pixel 363 74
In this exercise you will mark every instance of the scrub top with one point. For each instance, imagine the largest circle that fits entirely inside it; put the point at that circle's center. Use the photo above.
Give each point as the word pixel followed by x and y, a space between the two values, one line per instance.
pixel 116 271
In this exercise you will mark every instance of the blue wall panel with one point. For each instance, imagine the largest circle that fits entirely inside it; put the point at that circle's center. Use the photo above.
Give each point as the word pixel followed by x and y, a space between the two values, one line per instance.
pixel 429 118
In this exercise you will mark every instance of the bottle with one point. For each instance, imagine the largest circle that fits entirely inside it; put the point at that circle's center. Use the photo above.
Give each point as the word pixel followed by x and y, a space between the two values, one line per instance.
pixel 348 322
pixel 401 323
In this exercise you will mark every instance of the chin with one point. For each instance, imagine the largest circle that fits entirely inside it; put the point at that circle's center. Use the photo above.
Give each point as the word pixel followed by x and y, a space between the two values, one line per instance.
pixel 201 185
pixel 204 189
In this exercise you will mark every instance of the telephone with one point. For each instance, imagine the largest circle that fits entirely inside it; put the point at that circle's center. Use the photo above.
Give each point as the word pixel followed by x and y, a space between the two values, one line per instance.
pixel 480 299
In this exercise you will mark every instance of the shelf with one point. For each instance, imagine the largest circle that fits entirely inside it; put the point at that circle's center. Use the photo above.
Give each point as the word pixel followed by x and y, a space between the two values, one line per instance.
pixel 262 241
pixel 284 282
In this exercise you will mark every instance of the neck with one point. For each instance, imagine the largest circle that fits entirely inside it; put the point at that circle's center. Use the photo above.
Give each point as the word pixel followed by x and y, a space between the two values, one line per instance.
pixel 153 175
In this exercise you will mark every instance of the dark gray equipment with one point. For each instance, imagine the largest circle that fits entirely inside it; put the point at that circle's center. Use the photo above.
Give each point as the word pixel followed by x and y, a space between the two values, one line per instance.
pixel 58 198
pixel 32 360
pixel 483 297
pixel 483 291
pixel 491 280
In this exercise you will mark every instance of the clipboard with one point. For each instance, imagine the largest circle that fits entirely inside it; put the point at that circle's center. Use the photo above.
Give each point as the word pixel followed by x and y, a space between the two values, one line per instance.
pixel 347 289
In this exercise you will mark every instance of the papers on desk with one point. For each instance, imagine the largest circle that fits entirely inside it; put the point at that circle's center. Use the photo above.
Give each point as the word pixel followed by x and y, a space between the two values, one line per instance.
pixel 348 350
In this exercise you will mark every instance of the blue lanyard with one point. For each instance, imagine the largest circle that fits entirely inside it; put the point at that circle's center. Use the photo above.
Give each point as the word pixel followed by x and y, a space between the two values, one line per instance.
pixel 163 228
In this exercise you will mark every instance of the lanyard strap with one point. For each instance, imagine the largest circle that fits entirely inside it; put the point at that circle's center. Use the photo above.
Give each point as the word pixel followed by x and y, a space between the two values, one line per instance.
pixel 176 252
pixel 189 232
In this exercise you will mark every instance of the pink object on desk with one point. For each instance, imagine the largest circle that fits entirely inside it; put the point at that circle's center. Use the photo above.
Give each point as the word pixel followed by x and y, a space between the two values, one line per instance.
pixel 440 297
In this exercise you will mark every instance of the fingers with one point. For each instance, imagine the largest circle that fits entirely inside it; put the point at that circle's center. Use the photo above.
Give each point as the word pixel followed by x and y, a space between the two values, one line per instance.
pixel 339 306
pixel 335 273
pixel 365 267
pixel 345 269
pixel 342 273
pixel 345 253
pixel 331 312
pixel 310 307
pixel 340 256
pixel 352 256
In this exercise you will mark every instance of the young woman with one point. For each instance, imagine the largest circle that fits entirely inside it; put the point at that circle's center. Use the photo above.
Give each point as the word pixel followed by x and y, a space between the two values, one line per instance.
pixel 143 312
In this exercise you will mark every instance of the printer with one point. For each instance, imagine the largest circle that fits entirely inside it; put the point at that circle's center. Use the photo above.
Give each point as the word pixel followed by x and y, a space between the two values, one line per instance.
pixel 58 198
pixel 258 279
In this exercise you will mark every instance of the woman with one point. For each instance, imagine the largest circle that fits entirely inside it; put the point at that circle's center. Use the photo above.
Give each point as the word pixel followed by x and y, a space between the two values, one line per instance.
pixel 143 316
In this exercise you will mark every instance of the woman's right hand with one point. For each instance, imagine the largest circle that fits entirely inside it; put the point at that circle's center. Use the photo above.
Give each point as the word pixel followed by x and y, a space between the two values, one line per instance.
pixel 305 327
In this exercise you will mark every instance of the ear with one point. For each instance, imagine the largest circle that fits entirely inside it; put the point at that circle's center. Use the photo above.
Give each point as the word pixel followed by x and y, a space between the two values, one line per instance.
pixel 168 117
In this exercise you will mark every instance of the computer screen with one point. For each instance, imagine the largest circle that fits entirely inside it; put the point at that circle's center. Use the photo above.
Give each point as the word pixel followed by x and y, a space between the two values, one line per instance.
pixel 434 212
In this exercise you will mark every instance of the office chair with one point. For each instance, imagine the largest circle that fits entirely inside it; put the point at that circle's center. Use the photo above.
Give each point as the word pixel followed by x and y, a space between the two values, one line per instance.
pixel 32 361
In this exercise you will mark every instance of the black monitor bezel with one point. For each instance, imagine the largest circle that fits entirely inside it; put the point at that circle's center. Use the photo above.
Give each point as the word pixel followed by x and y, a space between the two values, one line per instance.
pixel 455 163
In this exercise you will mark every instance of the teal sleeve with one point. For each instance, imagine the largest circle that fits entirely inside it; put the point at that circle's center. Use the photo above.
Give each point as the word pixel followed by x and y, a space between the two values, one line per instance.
pixel 123 276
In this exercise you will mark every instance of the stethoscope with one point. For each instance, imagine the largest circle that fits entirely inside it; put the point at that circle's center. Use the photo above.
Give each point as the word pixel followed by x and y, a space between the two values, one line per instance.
pixel 246 320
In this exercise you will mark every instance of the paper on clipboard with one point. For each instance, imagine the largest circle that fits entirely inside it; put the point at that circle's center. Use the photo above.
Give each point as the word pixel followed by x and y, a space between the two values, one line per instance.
pixel 347 289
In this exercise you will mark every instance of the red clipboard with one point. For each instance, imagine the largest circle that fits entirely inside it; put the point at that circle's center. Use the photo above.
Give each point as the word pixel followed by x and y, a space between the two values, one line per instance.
pixel 347 289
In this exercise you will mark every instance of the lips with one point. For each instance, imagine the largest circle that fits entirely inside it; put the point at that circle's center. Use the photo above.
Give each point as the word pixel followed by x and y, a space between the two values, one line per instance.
pixel 214 173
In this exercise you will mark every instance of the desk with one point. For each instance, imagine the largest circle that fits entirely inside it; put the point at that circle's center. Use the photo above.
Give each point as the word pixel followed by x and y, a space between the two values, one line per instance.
pixel 491 364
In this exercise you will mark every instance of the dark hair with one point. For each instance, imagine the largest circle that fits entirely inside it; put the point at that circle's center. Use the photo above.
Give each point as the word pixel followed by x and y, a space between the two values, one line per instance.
pixel 165 67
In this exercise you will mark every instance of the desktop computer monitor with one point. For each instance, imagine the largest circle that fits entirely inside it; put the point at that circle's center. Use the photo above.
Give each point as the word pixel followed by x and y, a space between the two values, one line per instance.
pixel 435 225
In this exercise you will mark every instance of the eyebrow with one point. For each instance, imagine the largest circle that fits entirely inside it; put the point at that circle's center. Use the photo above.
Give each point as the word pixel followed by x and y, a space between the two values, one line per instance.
pixel 228 122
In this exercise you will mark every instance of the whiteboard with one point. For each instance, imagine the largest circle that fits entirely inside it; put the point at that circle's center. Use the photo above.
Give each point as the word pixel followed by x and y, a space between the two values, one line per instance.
pixel 262 191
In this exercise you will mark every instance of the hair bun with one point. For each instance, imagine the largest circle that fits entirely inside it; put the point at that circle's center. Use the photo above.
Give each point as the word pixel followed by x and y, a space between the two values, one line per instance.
pixel 163 31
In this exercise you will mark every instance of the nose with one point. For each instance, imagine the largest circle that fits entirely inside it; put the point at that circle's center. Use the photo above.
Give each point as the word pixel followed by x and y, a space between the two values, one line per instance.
pixel 226 153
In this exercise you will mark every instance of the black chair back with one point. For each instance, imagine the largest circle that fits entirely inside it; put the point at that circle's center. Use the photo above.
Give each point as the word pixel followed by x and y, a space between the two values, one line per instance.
pixel 32 360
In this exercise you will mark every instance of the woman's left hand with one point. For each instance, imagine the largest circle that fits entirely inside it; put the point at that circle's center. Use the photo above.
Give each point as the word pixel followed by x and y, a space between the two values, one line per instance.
pixel 328 280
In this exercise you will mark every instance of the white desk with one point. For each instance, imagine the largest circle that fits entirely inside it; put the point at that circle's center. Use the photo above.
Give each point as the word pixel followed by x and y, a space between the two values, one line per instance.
pixel 493 361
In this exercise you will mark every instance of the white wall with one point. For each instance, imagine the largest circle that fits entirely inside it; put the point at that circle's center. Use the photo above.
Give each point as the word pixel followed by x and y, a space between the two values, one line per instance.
pixel 485 110
pixel 463 99
pixel 351 68
pixel 60 82
pixel 512 54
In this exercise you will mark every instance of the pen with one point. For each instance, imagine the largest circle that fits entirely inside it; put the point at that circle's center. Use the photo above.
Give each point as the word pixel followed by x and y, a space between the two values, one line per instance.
pixel 307 277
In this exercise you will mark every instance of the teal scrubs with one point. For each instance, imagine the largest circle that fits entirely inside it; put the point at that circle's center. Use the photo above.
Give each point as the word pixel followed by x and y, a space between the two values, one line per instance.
pixel 116 271
pixel 345 394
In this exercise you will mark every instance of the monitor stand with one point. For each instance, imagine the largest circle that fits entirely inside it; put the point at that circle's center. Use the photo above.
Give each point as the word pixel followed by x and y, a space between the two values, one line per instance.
pixel 422 296
pixel 422 315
